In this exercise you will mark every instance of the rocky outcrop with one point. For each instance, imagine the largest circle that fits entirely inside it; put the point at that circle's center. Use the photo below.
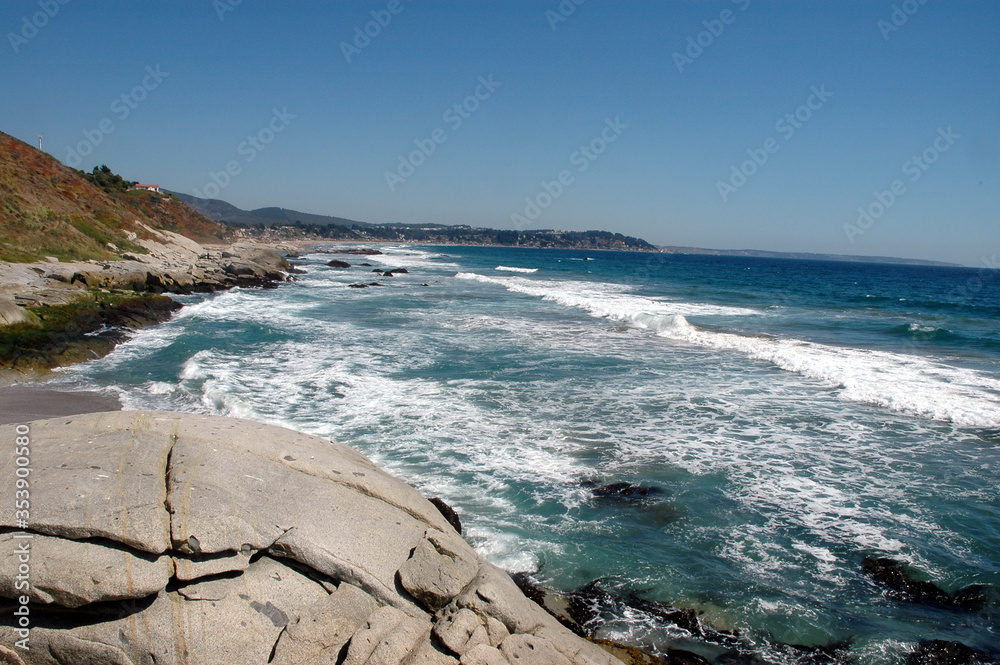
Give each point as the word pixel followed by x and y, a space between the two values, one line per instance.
pixel 177 538
pixel 54 314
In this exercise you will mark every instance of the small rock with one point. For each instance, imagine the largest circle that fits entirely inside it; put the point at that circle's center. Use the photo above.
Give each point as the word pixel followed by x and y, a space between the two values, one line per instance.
pixel 624 491
pixel 337 263
pixel 438 570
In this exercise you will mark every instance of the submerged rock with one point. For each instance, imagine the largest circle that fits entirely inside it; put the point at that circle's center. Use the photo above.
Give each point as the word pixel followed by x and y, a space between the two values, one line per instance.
pixel 682 657
pixel 187 539
pixel 894 575
pixel 337 263
pixel 941 652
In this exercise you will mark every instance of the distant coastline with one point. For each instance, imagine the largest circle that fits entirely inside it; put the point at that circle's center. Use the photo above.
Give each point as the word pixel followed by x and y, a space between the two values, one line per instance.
pixel 274 224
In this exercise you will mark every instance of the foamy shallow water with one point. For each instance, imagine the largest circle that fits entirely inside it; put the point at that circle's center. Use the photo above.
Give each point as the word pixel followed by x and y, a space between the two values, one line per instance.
pixel 795 424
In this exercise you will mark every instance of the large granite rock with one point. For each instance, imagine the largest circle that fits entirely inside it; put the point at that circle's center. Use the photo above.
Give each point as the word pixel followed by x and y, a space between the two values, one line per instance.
pixel 177 538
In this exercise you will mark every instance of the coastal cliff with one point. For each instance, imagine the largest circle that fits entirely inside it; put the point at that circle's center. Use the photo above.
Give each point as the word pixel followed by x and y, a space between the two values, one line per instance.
pixel 176 538
pixel 83 260
pixel 54 314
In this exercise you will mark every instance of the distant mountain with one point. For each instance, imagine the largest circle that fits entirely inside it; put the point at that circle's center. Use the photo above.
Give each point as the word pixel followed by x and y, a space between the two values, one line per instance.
pixel 285 224
pixel 227 213
pixel 804 256
pixel 49 209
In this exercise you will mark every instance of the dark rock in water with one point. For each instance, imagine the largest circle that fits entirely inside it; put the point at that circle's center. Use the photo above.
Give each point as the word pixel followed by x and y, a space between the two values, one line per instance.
pixel 447 511
pixel 387 274
pixel 680 617
pixel 377 271
pixel 942 652
pixel 357 286
pixel 293 255
pixel 738 658
pixel 361 252
pixel 397 271
pixel 827 654
pixel 294 269
pixel 622 491
pixel 529 587
pixel 585 606
pixel 337 263
pixel 972 597
pixel 682 657
pixel 365 265
pixel 894 575
pixel 891 573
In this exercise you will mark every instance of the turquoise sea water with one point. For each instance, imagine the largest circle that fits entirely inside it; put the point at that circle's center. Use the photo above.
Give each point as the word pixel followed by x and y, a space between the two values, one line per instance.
pixel 797 416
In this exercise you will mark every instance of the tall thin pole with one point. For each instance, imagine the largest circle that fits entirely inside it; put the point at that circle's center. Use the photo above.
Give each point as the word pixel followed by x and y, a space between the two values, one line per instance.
pixel 39 141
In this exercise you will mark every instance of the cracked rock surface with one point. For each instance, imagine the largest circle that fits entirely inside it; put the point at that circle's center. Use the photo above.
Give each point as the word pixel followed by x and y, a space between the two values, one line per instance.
pixel 169 538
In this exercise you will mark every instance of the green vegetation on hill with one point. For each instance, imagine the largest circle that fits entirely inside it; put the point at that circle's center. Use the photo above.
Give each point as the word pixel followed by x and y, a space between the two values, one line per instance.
pixel 48 209
pixel 104 178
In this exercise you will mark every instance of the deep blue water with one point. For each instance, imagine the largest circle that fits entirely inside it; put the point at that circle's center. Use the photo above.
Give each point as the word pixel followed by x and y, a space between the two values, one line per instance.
pixel 797 417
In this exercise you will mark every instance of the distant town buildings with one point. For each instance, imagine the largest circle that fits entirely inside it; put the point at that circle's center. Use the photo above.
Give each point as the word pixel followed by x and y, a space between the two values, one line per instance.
pixel 148 188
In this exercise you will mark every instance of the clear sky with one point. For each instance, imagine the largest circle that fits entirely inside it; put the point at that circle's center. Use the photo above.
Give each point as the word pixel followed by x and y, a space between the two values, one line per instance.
pixel 680 109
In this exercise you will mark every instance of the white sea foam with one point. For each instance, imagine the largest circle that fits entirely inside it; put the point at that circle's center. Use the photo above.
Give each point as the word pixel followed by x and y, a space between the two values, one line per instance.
pixel 515 269
pixel 909 384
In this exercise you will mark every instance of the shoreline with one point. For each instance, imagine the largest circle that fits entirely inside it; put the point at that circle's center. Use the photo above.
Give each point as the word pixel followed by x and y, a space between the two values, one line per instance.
pixel 54 314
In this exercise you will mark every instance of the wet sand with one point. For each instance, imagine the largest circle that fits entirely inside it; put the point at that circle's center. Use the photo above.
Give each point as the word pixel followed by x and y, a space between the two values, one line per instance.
pixel 24 403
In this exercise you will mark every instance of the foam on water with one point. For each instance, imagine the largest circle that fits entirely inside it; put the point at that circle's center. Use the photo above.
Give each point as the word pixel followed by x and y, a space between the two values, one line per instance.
pixel 502 405
pixel 514 269
pixel 909 384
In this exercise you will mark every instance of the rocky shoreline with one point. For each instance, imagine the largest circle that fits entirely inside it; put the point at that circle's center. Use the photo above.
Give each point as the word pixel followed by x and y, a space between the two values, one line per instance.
pixel 159 537
pixel 54 314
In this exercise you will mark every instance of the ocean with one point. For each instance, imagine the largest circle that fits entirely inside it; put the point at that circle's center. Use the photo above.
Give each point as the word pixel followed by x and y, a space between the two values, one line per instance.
pixel 791 419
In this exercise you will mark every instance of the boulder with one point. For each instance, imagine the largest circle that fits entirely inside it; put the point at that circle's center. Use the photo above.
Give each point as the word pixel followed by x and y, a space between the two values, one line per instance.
pixel 622 491
pixel 337 263
pixel 179 538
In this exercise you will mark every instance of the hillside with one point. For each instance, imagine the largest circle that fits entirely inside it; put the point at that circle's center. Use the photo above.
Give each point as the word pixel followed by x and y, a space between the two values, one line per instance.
pixel 48 209
pixel 221 211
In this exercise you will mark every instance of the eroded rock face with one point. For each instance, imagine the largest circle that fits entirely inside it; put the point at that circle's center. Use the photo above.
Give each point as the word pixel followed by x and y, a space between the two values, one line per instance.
pixel 176 538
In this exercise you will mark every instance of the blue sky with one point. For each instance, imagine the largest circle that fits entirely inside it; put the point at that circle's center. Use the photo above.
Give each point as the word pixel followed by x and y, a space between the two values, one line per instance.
pixel 266 88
